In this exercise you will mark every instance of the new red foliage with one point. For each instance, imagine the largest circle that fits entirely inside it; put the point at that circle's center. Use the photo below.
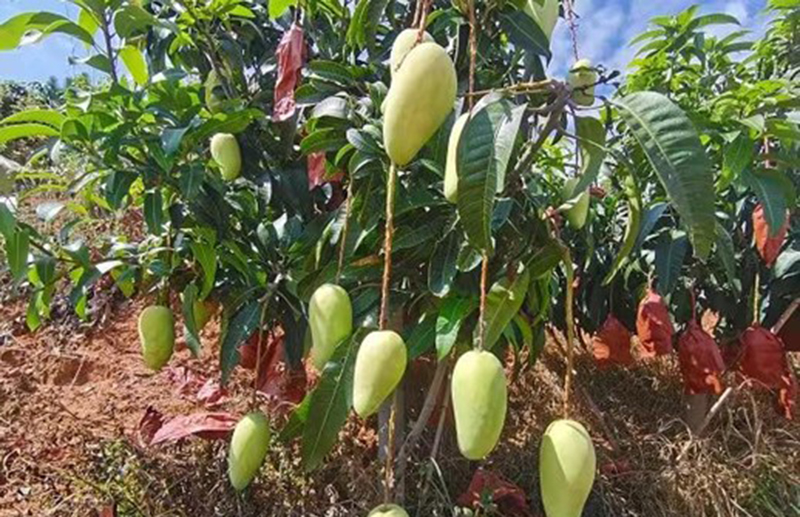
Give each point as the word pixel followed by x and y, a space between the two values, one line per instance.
pixel 291 55
pixel 653 325
pixel 700 361
pixel 612 344
pixel 768 247
pixel 764 360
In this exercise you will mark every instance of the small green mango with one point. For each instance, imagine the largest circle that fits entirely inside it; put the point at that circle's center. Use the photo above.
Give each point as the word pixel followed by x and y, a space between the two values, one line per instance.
pixel 249 445
pixel 576 215
pixel 566 468
pixel 330 318
pixel 479 402
pixel 545 15
pixel 582 78
pixel 421 96
pixel 388 510
pixel 157 335
pixel 214 95
pixel 380 365
pixel 203 312
pixel 403 44
pixel 225 151
pixel 451 168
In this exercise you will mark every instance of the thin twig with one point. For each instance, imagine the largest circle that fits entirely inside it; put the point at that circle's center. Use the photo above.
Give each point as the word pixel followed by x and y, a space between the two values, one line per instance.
pixel 383 319
pixel 570 330
pixel 343 237
pixel 484 290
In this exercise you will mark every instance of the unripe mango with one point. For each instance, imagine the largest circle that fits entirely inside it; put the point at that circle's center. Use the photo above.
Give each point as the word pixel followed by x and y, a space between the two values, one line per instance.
pixel 380 365
pixel 225 151
pixel 451 168
pixel 203 312
pixel 582 78
pixel 402 45
pixel 421 96
pixel 249 445
pixel 566 468
pixel 479 402
pixel 157 335
pixel 545 15
pixel 330 318
pixel 576 215
pixel 388 510
pixel 213 95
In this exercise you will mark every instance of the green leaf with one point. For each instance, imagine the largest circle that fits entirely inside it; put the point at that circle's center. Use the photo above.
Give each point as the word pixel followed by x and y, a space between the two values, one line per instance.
pixel 131 20
pixel 236 332
pixel 329 405
pixel 17 254
pixel 442 270
pixel 422 337
pixel 727 255
pixel 484 150
pixel 29 28
pixel 154 211
pixel 451 315
pixel 592 141
pixel 525 33
pixel 673 148
pixel 503 303
pixel 670 254
pixel 42 116
pixel 328 139
pixel 13 132
pixel 96 61
pixel 190 325
pixel 371 20
pixel 545 259
pixel 631 230
pixel 118 186
pixel 87 21
pixel 7 220
pixel 331 71
pixel 737 156
pixel 278 7
pixel 297 420
pixel 135 63
pixel 774 191
pixel 715 19
pixel 204 253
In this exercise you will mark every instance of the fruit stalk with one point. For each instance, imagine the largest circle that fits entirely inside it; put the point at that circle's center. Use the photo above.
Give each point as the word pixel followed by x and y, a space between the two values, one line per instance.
pixel 343 237
pixel 570 331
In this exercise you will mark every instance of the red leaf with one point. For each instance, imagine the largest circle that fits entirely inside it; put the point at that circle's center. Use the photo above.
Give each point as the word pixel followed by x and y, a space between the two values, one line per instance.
pixel 108 510
pixel 653 325
pixel 317 171
pixel 612 344
pixel 291 56
pixel 212 393
pixel 210 426
pixel 509 498
pixel 768 247
pixel 150 423
pixel 700 361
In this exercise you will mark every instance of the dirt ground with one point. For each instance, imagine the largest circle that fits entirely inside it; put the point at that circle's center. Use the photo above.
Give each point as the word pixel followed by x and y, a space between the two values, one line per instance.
pixel 72 397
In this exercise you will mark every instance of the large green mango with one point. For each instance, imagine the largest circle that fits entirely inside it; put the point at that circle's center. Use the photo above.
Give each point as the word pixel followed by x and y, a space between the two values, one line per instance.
pixel 330 318
pixel 421 96
pixel 545 15
pixel 157 335
pixel 388 510
pixel 566 468
pixel 451 168
pixel 249 445
pixel 225 151
pixel 404 42
pixel 479 402
pixel 582 78
pixel 576 215
pixel 380 365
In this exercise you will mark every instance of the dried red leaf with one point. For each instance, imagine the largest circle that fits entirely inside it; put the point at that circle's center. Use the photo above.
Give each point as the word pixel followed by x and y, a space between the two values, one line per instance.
pixel 509 498
pixel 700 361
pixel 653 325
pixel 764 360
pixel 768 247
pixel 109 510
pixel 212 393
pixel 612 344
pixel 186 381
pixel 210 426
pixel 317 171
pixel 291 56
pixel 149 424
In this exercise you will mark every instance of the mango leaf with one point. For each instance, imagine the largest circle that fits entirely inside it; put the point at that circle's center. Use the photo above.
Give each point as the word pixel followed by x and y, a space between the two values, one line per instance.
pixel 135 63
pixel 545 259
pixel 503 303
pixel 484 150
pixel 190 325
pixel 673 147
pixel 422 337
pixel 631 230
pixel 278 7
pixel 451 314
pixel 442 269
pixel 592 141
pixel 28 28
pixel 330 402
pixel 774 191
pixel 133 19
pixel 154 211
pixel 737 156
pixel 17 253
pixel 649 220
pixel 96 61
pixel 236 332
pixel 297 420
pixel 670 254
pixel 15 131
pixel 525 33
pixel 41 116
pixel 727 256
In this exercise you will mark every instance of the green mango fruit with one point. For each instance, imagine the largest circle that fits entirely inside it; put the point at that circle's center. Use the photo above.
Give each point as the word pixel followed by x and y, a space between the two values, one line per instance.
pixel 545 15
pixel 479 402
pixel 402 45
pixel 566 468
pixel 380 365
pixel 214 94
pixel 582 76
pixel 451 168
pixel 421 96
pixel 576 215
pixel 330 318
pixel 157 335
pixel 388 510
pixel 203 311
pixel 249 445
pixel 225 151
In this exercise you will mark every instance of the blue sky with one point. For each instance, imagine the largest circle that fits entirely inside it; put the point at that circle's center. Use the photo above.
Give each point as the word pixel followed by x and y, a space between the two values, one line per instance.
pixel 605 28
